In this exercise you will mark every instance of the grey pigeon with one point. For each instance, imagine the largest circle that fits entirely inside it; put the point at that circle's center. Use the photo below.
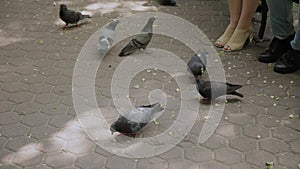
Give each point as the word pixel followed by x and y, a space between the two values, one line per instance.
pixel 70 16
pixel 167 2
pixel 107 36
pixel 197 64
pixel 139 41
pixel 132 122
pixel 205 88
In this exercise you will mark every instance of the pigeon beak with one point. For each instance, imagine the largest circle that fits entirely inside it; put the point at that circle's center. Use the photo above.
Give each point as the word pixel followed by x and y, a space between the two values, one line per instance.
pixel 112 130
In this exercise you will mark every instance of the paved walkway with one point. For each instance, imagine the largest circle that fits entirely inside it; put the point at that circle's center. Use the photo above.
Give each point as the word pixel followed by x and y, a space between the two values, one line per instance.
pixel 38 124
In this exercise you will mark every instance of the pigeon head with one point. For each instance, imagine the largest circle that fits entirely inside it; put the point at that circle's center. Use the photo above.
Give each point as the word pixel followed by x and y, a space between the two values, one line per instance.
pixel 112 25
pixel 63 6
pixel 152 19
pixel 148 26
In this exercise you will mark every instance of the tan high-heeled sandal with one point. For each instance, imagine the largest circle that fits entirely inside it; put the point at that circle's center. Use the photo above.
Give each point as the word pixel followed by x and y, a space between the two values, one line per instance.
pixel 225 37
pixel 239 39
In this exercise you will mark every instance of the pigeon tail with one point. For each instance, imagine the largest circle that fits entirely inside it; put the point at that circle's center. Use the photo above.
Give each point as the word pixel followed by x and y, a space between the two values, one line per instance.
pixel 237 94
pixel 234 86
pixel 84 16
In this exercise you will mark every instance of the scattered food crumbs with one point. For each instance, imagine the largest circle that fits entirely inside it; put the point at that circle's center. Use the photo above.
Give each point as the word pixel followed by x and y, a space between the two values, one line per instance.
pixel 274 104
pixel 280 86
pixel 177 90
pixel 270 165
pixel 143 79
pixel 148 70
pixel 258 136
pixel 288 94
pixel 226 118
pixel 277 98
pixel 270 65
pixel 172 116
pixel 291 116
pixel 207 117
pixel 291 82
pixel 154 74
pixel 155 121
pixel 264 81
pixel 136 86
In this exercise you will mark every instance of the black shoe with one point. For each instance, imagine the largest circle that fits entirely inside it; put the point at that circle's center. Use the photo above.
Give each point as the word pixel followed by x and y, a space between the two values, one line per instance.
pixel 289 63
pixel 276 49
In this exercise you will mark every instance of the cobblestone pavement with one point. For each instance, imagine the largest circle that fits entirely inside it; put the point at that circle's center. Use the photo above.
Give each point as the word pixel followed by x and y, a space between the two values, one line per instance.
pixel 38 126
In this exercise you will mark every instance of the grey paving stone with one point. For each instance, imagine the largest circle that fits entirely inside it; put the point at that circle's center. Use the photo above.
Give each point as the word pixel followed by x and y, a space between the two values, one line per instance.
pixel 80 146
pixel 214 164
pixel 274 146
pixel 28 158
pixel 14 130
pixel 228 156
pixel 92 161
pixel 243 143
pixel 198 154
pixel 256 131
pixel 36 68
pixel 295 146
pixel 6 106
pixel 180 163
pixel 289 160
pixel 60 159
pixel 120 162
pixel 152 163
pixel 43 131
pixel 285 134
pixel 259 158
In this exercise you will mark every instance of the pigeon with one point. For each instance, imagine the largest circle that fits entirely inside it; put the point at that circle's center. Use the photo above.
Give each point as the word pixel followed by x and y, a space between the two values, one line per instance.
pixel 205 89
pixel 132 122
pixel 167 2
pixel 70 16
pixel 197 64
pixel 107 36
pixel 139 41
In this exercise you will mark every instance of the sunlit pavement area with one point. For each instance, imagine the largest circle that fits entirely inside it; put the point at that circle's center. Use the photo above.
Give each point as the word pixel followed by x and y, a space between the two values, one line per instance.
pixel 38 124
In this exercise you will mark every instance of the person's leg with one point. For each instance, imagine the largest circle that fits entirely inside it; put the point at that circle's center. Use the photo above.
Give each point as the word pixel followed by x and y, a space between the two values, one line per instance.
pixel 281 18
pixel 296 41
pixel 290 61
pixel 248 10
pixel 235 8
pixel 243 30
